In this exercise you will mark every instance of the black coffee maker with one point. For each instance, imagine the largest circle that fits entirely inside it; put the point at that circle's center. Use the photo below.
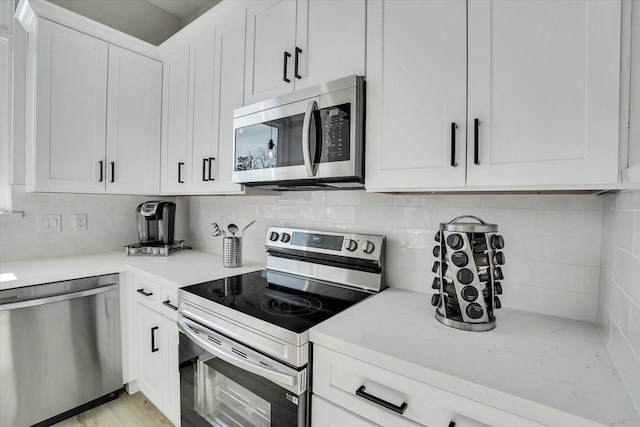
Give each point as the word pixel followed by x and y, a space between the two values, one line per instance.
pixel 155 220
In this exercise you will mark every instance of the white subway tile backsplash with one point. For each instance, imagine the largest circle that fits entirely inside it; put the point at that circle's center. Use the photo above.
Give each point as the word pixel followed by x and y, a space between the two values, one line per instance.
pixel 573 223
pixel 571 250
pixel 110 220
pixel 571 278
pixel 619 304
pixel 550 301
pixel 386 216
pixel 538 266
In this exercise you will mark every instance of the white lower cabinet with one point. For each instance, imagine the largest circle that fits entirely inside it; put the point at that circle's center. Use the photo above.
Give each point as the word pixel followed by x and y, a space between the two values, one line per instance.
pixel 326 414
pixel 351 392
pixel 154 344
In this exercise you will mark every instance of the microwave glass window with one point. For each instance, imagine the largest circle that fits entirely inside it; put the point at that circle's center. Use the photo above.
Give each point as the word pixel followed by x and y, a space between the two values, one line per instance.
pixel 271 144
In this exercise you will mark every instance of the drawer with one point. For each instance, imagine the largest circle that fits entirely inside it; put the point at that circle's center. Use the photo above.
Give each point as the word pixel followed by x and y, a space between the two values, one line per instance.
pixel 326 414
pixel 388 398
pixel 147 292
pixel 169 302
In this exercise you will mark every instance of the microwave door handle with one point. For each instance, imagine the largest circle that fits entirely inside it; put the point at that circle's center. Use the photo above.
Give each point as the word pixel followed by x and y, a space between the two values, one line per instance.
pixel 236 360
pixel 306 139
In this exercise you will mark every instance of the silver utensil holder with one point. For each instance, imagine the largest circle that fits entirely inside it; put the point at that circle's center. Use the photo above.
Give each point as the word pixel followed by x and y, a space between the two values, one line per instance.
pixel 232 251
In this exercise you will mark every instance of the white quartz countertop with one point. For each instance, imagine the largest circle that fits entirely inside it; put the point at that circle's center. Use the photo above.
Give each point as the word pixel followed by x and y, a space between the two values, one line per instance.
pixel 181 268
pixel 550 370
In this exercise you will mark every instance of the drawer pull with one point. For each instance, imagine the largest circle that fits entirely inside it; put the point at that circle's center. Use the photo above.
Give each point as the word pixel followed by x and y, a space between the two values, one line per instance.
pixel 168 304
pixel 399 409
pixel 142 291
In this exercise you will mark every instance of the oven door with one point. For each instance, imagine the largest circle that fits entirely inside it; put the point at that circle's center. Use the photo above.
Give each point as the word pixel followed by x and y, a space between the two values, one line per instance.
pixel 223 383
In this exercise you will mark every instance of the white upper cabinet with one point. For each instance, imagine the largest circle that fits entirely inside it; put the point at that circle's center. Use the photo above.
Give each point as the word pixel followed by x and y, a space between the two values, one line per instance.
pixel 175 99
pixel 133 122
pixel 416 94
pixel 271 39
pixel 544 84
pixel 203 84
pixel 541 78
pixel 294 44
pixel 93 116
pixel 332 38
pixel 66 145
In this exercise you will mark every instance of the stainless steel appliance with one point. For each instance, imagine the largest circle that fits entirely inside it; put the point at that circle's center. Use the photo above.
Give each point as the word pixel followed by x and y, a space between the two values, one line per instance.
pixel 313 138
pixel 244 341
pixel 59 349
pixel 468 274
pixel 155 221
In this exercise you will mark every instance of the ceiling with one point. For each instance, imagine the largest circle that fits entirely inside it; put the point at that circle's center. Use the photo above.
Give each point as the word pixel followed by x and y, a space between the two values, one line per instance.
pixel 184 8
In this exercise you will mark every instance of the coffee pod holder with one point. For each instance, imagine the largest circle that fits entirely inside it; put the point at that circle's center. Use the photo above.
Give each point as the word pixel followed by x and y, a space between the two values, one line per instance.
pixel 468 274
pixel 232 251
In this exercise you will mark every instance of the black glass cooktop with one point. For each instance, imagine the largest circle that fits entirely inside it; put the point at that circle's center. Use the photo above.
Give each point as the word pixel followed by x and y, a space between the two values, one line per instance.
pixel 290 302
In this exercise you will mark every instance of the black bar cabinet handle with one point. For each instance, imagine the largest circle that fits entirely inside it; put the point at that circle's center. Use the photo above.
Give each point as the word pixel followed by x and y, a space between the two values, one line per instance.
pixel 113 171
pixel 287 55
pixel 180 165
pixel 399 409
pixel 211 159
pixel 142 291
pixel 153 340
pixel 453 145
pixel 204 169
pixel 296 61
pixel 168 304
pixel 101 163
pixel 476 142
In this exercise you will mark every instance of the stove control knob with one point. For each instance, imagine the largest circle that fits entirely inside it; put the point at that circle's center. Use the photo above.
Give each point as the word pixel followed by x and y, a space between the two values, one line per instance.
pixel 285 238
pixel 274 236
pixel 368 247
pixel 351 245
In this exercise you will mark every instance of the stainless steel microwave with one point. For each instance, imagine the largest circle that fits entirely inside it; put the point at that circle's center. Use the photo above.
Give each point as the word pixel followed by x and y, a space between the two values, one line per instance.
pixel 310 139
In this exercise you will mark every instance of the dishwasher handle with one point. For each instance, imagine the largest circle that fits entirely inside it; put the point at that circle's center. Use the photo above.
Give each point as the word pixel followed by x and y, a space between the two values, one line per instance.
pixel 57 298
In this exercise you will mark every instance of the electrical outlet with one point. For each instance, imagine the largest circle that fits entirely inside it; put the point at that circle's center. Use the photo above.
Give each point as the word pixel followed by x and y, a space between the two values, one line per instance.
pixel 49 222
pixel 80 222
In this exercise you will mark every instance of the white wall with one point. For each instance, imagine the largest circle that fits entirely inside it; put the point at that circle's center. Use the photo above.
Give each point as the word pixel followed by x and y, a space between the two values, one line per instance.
pixel 619 305
pixel 110 220
pixel 553 242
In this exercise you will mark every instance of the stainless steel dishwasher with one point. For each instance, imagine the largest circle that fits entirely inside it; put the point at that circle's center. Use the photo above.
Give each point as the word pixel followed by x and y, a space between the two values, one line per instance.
pixel 60 349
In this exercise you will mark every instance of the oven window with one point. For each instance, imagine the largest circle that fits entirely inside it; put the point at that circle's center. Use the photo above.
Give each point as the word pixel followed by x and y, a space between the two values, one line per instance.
pixel 223 402
pixel 216 393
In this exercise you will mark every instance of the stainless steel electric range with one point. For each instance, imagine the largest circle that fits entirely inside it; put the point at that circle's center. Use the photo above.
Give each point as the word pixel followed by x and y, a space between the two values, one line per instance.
pixel 244 341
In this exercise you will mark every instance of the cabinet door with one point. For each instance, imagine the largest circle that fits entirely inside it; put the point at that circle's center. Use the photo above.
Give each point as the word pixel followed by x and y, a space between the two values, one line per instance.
pixel 133 122
pixel 325 414
pixel 544 84
pixel 332 37
pixel 171 407
pixel 70 110
pixel 270 34
pixel 416 90
pixel 175 167
pixel 151 351
pixel 201 121
pixel 228 86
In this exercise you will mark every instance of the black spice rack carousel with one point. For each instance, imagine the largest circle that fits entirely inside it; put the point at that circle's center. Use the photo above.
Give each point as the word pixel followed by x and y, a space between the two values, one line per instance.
pixel 468 274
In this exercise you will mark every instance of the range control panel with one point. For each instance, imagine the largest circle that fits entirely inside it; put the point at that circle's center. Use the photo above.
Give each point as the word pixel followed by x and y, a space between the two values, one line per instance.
pixel 353 245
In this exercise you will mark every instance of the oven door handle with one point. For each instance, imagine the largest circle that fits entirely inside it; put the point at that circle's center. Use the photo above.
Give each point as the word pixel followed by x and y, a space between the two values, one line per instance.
pixel 306 139
pixel 288 378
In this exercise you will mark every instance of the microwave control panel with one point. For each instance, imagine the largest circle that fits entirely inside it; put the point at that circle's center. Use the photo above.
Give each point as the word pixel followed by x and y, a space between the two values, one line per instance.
pixel 336 131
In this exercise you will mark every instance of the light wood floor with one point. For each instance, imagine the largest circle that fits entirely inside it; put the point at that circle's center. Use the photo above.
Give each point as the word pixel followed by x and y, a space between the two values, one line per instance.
pixel 125 411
